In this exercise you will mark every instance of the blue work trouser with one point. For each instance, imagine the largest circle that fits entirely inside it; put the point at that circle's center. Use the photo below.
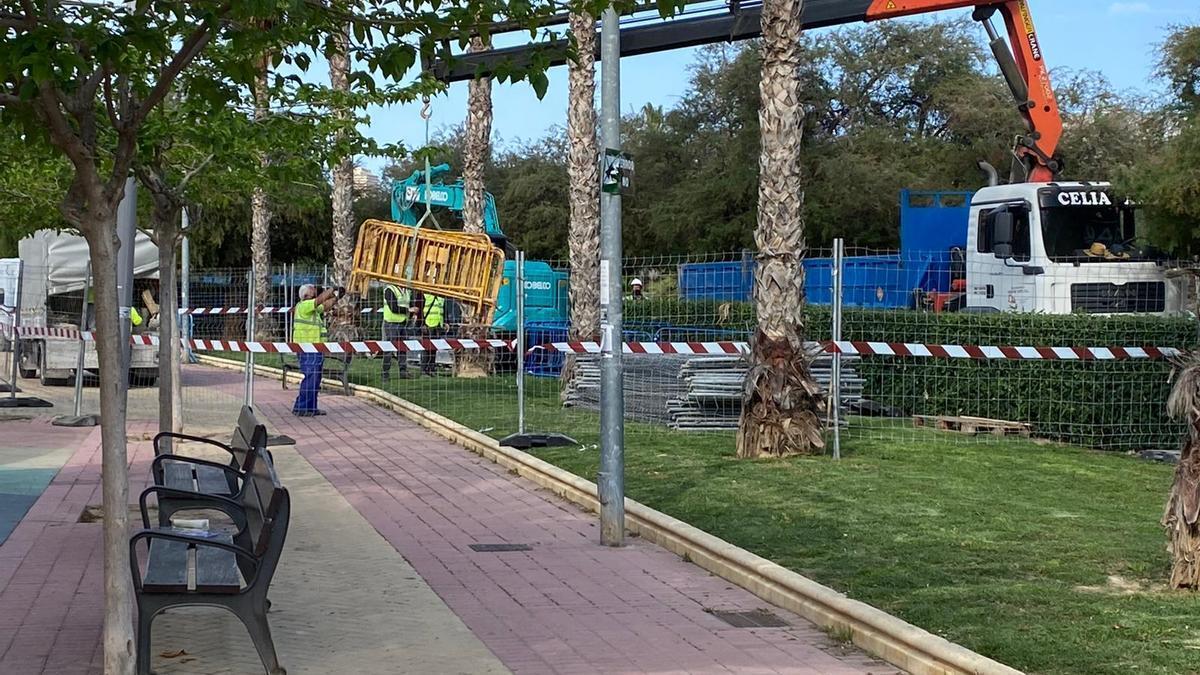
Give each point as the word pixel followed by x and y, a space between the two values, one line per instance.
pixel 310 366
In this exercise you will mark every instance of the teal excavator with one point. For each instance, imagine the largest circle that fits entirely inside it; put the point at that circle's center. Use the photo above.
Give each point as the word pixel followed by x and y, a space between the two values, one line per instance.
pixel 545 287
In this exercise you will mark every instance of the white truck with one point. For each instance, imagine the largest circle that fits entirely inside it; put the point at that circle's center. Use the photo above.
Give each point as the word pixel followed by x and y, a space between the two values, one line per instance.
pixel 1063 248
pixel 51 290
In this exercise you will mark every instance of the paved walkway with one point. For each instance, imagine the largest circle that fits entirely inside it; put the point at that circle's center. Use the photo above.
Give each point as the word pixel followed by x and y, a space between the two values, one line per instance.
pixel 31 452
pixel 369 484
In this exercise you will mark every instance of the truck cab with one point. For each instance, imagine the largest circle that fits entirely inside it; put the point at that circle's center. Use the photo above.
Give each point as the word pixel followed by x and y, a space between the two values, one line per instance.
pixel 1061 248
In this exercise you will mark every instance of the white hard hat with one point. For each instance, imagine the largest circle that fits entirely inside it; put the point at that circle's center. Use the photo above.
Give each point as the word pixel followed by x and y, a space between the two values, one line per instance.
pixel 636 282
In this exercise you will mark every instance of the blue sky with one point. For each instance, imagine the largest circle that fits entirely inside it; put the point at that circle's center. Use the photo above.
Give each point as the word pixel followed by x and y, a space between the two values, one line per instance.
pixel 1115 38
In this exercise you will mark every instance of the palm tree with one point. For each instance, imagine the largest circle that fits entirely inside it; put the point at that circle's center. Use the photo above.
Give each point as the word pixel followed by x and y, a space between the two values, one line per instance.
pixel 477 151
pixel 343 167
pixel 781 409
pixel 583 158
pixel 1182 514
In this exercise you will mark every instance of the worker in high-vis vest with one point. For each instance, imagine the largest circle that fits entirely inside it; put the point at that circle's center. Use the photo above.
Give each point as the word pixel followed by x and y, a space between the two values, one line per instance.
pixel 396 326
pixel 309 327
pixel 89 321
pixel 433 318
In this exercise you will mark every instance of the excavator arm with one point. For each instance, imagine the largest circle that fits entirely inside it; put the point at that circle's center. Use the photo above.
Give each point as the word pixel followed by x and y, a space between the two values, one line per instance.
pixel 1023 67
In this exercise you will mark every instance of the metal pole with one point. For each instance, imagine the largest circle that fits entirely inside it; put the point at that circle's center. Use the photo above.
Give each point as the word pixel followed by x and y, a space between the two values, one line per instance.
pixel 520 342
pixel 291 299
pixel 836 383
pixel 185 289
pixel 80 360
pixel 611 479
pixel 250 315
pixel 16 334
pixel 127 235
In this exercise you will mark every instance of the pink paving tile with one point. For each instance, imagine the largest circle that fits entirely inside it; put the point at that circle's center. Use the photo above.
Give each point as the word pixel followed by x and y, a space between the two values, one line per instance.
pixel 567 606
pixel 554 608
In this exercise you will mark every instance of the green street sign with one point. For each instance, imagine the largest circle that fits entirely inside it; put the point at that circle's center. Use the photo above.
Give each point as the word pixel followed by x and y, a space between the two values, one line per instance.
pixel 616 173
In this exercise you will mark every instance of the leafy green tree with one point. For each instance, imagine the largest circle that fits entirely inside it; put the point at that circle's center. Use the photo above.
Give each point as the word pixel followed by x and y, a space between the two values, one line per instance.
pixel 85 77
pixel 32 181
pixel 1167 182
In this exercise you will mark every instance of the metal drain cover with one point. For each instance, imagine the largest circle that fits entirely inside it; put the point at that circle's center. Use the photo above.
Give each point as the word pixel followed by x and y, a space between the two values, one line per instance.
pixel 759 618
pixel 499 548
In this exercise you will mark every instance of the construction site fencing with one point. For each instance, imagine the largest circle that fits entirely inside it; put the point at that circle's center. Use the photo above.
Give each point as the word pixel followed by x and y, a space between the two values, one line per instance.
pixel 963 347
pixel 914 361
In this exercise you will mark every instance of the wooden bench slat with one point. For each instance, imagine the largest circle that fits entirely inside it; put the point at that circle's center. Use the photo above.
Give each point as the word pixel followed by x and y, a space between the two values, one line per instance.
pixel 212 481
pixel 216 570
pixel 166 567
pixel 178 475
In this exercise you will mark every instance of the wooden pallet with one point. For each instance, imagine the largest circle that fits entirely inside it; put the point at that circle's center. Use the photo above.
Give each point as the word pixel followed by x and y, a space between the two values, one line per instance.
pixel 973 425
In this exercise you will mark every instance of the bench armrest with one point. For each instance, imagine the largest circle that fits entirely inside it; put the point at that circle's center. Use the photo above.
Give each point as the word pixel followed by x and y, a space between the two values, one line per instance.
pixel 157 472
pixel 188 437
pixel 197 500
pixel 150 533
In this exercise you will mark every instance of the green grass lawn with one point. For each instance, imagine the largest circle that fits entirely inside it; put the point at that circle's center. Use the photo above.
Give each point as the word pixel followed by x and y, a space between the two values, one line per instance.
pixel 1047 558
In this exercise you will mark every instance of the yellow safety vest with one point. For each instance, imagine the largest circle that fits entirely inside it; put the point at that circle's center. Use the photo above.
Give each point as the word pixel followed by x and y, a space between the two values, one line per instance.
pixel 134 317
pixel 402 297
pixel 434 315
pixel 309 322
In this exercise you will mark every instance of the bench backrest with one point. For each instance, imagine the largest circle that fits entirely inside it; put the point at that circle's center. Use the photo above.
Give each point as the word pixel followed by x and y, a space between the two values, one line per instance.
pixel 248 436
pixel 267 506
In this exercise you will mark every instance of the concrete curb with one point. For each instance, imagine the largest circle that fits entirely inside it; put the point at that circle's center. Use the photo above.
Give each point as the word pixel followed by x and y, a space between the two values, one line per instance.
pixel 877 632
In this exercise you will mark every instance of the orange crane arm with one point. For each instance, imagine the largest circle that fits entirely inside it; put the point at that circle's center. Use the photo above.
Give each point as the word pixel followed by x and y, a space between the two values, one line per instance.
pixel 1030 83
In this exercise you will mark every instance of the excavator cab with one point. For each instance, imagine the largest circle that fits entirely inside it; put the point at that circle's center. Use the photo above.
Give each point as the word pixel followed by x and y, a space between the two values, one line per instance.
pixel 409 199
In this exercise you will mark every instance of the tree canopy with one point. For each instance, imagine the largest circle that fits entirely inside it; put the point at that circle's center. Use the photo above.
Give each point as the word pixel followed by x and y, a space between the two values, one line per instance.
pixel 890 106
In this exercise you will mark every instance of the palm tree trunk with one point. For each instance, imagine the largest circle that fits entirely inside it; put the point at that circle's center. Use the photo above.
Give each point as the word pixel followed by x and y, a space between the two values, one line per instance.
pixel 1181 517
pixel 583 171
pixel 343 169
pixel 476 154
pixel 477 149
pixel 260 213
pixel 782 405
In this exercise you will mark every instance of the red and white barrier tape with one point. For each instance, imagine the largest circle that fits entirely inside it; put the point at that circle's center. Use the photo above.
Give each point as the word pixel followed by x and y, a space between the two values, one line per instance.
pixel 356 347
pixel 1000 353
pixel 896 349
pixel 42 331
pixel 211 311
pixel 892 349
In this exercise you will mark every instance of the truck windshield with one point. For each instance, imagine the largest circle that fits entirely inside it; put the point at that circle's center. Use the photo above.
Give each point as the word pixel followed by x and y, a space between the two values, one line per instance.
pixel 1087 234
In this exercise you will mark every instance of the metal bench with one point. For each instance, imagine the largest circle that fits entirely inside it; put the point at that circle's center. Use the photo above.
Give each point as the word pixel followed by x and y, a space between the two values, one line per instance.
pixel 231 570
pixel 182 475
pixel 336 366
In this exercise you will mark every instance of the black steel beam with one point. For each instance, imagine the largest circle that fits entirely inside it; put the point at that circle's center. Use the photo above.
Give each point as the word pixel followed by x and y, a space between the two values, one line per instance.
pixel 742 23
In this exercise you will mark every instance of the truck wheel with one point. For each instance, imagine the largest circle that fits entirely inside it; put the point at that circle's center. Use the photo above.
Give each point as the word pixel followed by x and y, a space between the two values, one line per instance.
pixel 29 356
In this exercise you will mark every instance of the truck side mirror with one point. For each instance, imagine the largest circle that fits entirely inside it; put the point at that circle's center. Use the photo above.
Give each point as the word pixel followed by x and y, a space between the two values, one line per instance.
pixel 1003 224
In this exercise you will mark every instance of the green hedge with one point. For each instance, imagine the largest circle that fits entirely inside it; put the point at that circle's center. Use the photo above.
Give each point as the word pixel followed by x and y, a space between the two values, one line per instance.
pixel 1101 405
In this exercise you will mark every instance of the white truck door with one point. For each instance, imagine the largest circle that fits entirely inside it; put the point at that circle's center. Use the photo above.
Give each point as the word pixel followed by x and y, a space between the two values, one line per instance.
pixel 998 262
